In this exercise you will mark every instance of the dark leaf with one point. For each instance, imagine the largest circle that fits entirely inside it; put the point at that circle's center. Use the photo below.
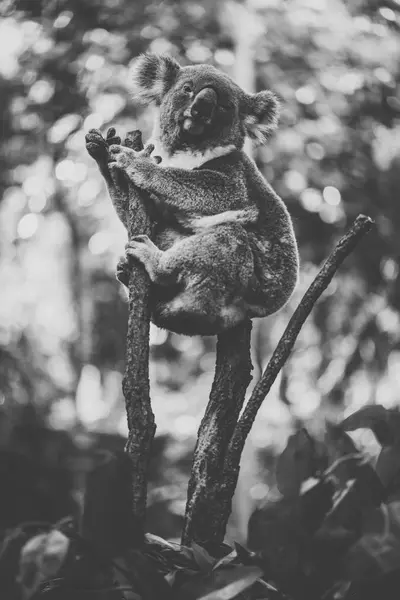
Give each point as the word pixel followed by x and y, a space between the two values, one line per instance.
pixel 373 555
pixel 229 583
pixel 378 550
pixel 388 467
pixel 316 501
pixel 377 418
pixel 244 555
pixel 203 559
pixel 226 560
pixel 338 442
pixel 138 571
pixel 280 535
pixel 296 463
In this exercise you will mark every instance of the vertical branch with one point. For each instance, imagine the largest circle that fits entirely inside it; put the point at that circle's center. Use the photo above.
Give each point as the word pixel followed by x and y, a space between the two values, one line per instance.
pixel 209 492
pixel 135 384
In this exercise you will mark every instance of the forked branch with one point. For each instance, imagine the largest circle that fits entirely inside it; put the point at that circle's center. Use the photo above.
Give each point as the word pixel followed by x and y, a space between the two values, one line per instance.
pixel 216 459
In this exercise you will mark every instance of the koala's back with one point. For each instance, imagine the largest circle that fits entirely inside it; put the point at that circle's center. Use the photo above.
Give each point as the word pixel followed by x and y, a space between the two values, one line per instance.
pixel 276 259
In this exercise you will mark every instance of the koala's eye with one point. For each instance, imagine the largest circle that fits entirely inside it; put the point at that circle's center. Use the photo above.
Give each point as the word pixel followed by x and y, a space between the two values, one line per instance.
pixel 187 88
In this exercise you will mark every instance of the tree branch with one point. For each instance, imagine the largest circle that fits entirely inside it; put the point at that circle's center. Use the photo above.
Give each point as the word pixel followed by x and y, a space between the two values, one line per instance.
pixel 135 384
pixel 344 247
pixel 209 494
pixel 221 435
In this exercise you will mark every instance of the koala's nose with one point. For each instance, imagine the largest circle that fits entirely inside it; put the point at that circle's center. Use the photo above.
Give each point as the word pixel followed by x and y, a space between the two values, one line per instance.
pixel 204 104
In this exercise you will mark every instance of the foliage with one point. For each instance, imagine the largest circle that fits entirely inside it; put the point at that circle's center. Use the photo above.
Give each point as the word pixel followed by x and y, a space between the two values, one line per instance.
pixel 334 65
pixel 334 533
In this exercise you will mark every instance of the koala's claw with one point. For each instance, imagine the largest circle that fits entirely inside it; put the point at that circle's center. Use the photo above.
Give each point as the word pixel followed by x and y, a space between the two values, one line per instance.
pixel 148 150
pixel 112 138
pixel 96 145
pixel 139 239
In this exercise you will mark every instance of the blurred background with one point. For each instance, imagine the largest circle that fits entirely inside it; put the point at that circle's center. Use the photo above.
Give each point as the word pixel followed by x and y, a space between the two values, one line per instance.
pixel 63 70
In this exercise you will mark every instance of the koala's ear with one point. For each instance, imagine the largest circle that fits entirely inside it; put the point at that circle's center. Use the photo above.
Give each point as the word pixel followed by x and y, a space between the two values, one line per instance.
pixel 152 76
pixel 261 113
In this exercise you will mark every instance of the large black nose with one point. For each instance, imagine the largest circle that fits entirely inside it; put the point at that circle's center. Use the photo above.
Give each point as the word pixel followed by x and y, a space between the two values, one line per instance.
pixel 204 104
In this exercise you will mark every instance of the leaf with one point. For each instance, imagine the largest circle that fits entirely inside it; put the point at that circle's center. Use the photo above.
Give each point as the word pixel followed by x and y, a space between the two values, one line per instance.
pixel 235 582
pixel 393 509
pixel 137 570
pixel 388 467
pixel 160 543
pixel 296 463
pixel 203 559
pixel 360 489
pixel 279 533
pixel 244 555
pixel 338 442
pixel 315 503
pixel 226 560
pixel 372 556
pixel 41 558
pixel 377 552
pixel 377 418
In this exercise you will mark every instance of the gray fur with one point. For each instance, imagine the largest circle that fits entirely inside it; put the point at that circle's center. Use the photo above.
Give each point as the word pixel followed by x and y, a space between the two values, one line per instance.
pixel 224 247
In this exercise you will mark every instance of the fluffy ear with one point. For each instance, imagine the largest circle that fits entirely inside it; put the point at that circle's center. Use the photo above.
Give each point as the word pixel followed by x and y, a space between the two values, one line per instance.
pixel 261 113
pixel 152 76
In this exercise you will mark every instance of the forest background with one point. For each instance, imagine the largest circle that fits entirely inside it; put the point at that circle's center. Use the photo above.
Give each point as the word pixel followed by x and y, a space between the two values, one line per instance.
pixel 64 70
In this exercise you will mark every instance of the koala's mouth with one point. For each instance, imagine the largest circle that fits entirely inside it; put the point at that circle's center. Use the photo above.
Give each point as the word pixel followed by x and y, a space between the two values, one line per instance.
pixel 193 126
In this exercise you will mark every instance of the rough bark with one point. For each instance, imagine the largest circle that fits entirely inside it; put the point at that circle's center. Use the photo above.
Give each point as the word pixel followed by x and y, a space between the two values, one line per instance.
pixel 222 435
pixel 135 384
pixel 209 497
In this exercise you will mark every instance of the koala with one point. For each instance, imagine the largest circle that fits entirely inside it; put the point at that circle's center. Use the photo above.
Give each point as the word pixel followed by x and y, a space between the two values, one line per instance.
pixel 223 248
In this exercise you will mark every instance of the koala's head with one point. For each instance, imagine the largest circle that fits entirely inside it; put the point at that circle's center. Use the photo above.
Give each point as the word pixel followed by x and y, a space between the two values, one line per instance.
pixel 201 107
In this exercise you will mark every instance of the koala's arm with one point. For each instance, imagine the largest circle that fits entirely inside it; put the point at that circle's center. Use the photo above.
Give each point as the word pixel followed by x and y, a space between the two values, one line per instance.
pixel 193 192
pixel 98 148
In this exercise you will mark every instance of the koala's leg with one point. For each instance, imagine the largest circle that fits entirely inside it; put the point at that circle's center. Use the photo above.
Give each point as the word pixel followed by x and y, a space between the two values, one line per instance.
pixel 142 248
pixel 213 269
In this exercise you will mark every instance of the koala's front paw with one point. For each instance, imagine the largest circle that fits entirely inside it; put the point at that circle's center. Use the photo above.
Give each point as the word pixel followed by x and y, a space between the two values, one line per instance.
pixel 121 156
pixel 141 247
pixel 97 146
pixel 127 160
pixel 111 138
pixel 123 270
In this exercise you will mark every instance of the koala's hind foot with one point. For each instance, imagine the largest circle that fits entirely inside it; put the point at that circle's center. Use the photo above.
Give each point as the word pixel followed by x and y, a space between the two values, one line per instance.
pixel 142 248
